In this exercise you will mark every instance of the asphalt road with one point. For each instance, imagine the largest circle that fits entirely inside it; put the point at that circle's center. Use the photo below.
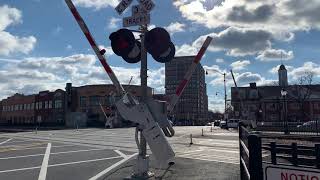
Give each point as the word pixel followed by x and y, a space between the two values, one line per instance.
pixel 95 153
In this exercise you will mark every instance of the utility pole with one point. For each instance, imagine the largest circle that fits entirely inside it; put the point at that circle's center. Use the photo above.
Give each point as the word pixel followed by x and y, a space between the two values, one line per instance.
pixel 225 93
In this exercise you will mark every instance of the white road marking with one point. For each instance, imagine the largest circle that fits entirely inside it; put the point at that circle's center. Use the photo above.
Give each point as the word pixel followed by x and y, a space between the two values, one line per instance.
pixel 15 157
pixel 5 141
pixel 102 173
pixel 21 169
pixel 63 152
pixel 44 166
pixel 78 162
pixel 62 164
pixel 120 153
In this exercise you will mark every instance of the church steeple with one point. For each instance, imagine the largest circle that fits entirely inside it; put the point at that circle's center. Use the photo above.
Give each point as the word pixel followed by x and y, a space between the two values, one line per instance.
pixel 283 78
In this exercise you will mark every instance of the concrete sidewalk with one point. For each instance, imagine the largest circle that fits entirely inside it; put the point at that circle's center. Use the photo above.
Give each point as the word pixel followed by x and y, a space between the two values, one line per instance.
pixel 183 169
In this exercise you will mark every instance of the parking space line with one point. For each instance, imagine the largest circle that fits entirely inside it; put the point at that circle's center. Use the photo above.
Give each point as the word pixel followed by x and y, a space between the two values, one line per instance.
pixel 120 153
pixel 21 169
pixel 62 164
pixel 15 157
pixel 44 166
pixel 102 173
pixel 63 152
pixel 6 141
pixel 78 162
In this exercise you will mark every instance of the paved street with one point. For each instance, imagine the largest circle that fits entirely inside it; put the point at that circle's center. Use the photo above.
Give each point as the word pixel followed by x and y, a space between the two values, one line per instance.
pixel 97 153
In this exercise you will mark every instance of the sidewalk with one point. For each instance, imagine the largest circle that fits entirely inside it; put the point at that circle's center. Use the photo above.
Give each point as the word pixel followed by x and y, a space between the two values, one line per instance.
pixel 183 169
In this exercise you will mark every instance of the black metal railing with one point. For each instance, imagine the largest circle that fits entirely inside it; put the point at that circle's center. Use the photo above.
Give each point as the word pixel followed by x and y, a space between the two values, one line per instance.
pixel 291 127
pixel 293 154
pixel 250 155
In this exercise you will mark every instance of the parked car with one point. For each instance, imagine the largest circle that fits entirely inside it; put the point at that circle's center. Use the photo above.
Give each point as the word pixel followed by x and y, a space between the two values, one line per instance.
pixel 223 124
pixel 216 123
pixel 233 123
pixel 309 125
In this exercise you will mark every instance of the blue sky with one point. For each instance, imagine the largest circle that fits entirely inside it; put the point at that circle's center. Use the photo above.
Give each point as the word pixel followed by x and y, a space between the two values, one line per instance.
pixel 42 47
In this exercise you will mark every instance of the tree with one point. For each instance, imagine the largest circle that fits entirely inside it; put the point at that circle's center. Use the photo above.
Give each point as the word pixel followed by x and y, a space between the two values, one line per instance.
pixel 301 92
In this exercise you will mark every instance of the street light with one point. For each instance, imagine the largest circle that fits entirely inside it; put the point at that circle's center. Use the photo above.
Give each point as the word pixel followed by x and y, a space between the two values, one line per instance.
pixel 225 88
pixel 284 108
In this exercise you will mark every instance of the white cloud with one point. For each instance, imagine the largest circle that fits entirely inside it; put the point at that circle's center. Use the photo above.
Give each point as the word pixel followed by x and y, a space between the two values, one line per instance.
pixel 57 30
pixel 9 16
pixel 273 15
pixel 50 73
pixel 175 27
pixel 186 50
pixel 108 49
pixel 219 60
pixel 275 55
pixel 96 4
pixel 237 41
pixel 114 23
pixel 9 43
pixel 214 71
pixel 69 47
pixel 275 69
pixel 239 65
pixel 307 67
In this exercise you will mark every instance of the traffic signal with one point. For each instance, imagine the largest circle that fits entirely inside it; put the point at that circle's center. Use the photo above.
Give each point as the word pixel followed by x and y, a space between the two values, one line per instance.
pixel 125 45
pixel 159 45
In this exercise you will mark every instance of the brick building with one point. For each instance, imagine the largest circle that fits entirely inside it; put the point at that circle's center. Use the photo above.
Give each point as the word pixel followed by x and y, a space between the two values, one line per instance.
pixel 90 99
pixel 50 107
pixel 265 103
pixel 192 107
pixel 18 110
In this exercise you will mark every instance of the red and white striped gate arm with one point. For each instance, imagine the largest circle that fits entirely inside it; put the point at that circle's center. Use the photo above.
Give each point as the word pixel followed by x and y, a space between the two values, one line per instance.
pixel 94 46
pixel 174 98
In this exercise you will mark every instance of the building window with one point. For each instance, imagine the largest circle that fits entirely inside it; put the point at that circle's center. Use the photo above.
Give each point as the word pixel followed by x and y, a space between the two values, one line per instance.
pixel 316 106
pixel 46 104
pixel 58 104
pixel 83 101
pixel 294 106
pixel 40 105
pixel 94 100
pixel 50 105
pixel 32 106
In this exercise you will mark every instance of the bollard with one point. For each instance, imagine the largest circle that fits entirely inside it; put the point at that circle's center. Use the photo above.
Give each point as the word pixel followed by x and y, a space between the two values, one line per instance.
pixel 191 139
pixel 202 132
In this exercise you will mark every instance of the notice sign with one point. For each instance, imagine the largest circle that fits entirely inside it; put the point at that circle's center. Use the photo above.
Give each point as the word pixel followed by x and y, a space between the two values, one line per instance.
pixel 275 172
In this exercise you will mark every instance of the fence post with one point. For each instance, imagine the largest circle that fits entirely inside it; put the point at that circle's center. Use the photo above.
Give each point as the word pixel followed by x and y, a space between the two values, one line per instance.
pixel 317 154
pixel 255 157
pixel 294 154
pixel 273 150
pixel 240 151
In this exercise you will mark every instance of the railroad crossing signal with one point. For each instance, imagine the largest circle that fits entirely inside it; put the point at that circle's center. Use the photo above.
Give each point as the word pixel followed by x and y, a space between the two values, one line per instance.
pixel 125 45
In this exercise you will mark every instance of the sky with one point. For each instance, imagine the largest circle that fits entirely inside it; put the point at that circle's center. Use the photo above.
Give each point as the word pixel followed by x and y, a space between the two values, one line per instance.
pixel 42 47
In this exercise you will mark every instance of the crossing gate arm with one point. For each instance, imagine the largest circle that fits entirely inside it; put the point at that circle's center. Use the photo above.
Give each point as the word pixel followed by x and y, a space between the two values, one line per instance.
pixel 94 46
pixel 175 97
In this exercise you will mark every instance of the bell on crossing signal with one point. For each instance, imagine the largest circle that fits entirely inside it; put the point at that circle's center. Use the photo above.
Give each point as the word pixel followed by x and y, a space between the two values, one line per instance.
pixel 159 45
pixel 125 45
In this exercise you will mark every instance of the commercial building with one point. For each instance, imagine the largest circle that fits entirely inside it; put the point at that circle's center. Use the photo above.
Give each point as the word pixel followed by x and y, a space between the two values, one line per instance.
pixel 46 108
pixel 18 110
pixel 192 107
pixel 97 102
pixel 88 105
pixel 299 103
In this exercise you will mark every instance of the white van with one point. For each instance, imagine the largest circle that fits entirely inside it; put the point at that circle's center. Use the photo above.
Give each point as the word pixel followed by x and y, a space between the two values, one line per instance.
pixel 233 123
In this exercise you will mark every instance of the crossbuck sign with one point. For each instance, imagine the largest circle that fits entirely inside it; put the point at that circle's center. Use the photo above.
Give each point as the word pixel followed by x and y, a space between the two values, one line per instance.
pixel 140 13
